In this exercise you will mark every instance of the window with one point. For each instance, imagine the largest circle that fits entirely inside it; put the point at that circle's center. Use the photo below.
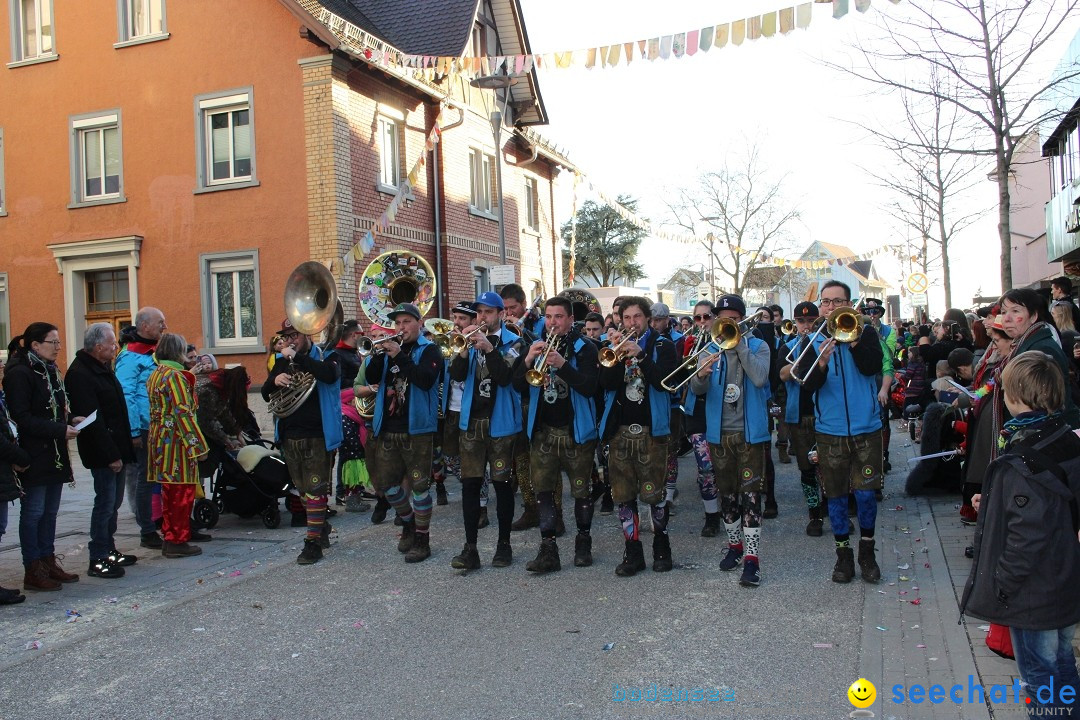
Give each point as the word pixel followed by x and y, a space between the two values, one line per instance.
pixel 482 180
pixel 107 291
pixel 141 20
pixel 480 280
pixel 96 159
pixel 389 144
pixel 32 30
pixel 3 194
pixel 532 205
pixel 231 299
pixel 226 141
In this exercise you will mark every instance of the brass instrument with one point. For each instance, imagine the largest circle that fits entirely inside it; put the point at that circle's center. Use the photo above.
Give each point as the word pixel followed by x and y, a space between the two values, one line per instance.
pixel 611 356
pixel 535 375
pixel 792 356
pixel 844 325
pixel 312 306
pixel 514 328
pixel 440 330
pixel 365 406
pixel 459 342
pixel 582 301
pixel 701 346
pixel 366 346
pixel 394 277
pixel 787 328
pixel 727 333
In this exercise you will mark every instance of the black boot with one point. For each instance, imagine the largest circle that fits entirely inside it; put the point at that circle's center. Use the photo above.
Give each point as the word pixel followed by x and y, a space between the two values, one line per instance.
pixel 469 559
pixel 408 537
pixel 547 559
pixel 813 528
pixel 868 566
pixel 504 555
pixel 583 550
pixel 421 547
pixel 712 525
pixel 661 552
pixel 382 505
pixel 633 560
pixel 844 570
pixel 771 510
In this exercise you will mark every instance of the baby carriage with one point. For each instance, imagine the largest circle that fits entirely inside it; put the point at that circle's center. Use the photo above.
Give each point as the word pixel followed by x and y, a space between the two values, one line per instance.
pixel 248 485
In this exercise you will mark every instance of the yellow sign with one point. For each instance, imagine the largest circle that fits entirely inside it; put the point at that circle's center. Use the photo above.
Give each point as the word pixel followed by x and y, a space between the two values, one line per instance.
pixel 917 282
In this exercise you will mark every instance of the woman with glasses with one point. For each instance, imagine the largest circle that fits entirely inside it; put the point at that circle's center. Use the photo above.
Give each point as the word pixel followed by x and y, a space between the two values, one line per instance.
pixel 38 405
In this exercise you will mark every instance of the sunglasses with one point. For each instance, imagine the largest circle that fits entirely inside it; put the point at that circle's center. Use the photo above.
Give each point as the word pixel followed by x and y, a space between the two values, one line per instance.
pixel 706 316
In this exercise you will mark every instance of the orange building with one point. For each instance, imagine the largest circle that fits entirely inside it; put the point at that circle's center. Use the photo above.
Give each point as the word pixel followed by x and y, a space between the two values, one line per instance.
pixel 187 154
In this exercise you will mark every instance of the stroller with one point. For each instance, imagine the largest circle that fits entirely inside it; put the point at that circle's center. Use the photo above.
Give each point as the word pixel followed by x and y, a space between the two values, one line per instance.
pixel 248 485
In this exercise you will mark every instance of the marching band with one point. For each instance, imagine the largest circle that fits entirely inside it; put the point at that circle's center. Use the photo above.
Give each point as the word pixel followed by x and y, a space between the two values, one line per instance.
pixel 518 396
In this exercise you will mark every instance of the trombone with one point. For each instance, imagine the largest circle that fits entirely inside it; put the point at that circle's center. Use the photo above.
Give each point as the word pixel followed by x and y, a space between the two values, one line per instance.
pixel 535 375
pixel 459 342
pixel 703 344
pixel 844 325
pixel 610 356
pixel 817 328
pixel 365 346
pixel 727 333
pixel 787 328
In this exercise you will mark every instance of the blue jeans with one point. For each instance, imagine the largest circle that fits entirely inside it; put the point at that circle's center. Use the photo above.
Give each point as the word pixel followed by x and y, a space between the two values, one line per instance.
pixel 139 490
pixel 37 521
pixel 108 497
pixel 1046 663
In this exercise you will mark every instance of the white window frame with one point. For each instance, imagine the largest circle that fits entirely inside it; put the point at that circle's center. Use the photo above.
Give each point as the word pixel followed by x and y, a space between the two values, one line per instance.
pixel 532 205
pixel 481 279
pixel 205 107
pixel 125 14
pixel 482 181
pixel 19 55
pixel 390 158
pixel 79 126
pixel 3 187
pixel 212 265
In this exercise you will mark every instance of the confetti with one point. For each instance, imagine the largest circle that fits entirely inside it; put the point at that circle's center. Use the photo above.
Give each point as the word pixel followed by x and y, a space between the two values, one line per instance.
pixel 920 646
pixel 396 591
pixel 609 646
pixel 199 630
pixel 916 601
pixel 111 600
pixel 914 627
pixel 235 573
pixel 905 566
pixel 904 578
pixel 882 592
pixel 296 655
pixel 822 646
pixel 359 624
pixel 881 628
pixel 903 592
pixel 72 616
pixel 933 658
pixel 898 508
pixel 33 645
pixel 984 628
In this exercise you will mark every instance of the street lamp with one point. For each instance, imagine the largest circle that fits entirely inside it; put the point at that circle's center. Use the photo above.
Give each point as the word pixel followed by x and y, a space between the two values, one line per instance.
pixel 712 257
pixel 496 82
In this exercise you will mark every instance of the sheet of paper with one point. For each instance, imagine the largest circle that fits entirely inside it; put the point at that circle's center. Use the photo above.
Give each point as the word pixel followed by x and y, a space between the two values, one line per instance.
pixel 89 419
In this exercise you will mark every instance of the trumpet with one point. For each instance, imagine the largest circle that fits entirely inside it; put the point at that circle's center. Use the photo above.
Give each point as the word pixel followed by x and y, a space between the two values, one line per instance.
pixel 459 342
pixel 366 346
pixel 727 333
pixel 703 344
pixel 787 328
pixel 610 356
pixel 793 355
pixel 535 375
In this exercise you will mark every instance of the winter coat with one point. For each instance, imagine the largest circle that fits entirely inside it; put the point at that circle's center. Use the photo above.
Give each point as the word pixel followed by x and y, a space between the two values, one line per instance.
pixel 11 456
pixel 93 386
pixel 1027 558
pixel 1044 340
pixel 175 440
pixel 42 421
pixel 133 367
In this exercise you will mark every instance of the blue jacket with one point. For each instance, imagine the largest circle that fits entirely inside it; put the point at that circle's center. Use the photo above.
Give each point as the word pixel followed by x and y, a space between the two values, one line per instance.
pixel 794 389
pixel 846 404
pixel 659 400
pixel 329 404
pixel 755 411
pixel 133 370
pixel 691 399
pixel 423 404
pixel 584 407
pixel 506 415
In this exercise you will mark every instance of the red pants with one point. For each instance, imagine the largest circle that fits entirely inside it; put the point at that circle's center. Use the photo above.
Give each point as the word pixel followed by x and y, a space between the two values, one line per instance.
pixel 176 502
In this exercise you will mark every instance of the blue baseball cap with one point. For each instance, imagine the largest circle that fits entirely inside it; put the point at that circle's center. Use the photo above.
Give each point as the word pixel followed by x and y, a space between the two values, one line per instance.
pixel 491 299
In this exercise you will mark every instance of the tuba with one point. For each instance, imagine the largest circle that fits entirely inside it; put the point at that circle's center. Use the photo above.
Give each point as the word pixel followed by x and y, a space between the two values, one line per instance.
pixel 312 306
pixel 395 277
pixel 365 406
pixel 582 301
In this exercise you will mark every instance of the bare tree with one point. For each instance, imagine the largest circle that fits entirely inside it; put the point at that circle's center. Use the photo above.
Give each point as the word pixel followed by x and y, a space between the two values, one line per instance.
pixel 931 181
pixel 986 49
pixel 744 212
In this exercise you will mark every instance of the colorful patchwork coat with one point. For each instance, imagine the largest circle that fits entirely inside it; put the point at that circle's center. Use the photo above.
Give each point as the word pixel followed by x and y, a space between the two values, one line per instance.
pixel 175 439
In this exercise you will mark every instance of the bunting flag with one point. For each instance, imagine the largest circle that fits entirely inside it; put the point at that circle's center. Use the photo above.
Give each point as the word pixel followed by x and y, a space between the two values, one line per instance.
pixel 693 41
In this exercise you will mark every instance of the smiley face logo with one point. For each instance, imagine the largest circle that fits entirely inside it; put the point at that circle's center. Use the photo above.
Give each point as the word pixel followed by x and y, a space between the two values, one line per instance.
pixel 862 693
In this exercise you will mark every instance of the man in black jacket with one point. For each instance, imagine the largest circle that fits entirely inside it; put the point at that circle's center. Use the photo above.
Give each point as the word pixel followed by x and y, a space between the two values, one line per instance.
pixel 104 445
pixel 1027 559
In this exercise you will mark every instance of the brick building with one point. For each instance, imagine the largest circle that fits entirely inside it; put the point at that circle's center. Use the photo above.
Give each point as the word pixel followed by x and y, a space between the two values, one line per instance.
pixel 188 154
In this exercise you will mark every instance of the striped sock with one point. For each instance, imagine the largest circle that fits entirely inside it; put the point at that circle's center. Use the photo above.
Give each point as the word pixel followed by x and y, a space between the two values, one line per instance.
pixel 399 499
pixel 421 504
pixel 315 505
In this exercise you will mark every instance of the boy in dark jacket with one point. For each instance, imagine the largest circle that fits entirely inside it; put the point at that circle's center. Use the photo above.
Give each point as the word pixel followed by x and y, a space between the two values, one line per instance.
pixel 1027 554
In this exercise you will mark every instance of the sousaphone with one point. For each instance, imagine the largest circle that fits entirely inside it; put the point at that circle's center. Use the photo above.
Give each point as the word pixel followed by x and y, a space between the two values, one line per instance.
pixel 583 302
pixel 395 277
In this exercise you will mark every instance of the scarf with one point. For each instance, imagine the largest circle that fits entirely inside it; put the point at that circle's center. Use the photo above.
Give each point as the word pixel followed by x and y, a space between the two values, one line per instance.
pixel 1023 426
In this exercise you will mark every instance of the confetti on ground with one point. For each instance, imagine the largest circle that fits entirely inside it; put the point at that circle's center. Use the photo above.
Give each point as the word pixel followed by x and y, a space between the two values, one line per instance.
pixel 933 658
pixel 220 573
pixel 33 645
pixel 396 591
pixel 881 628
pixel 914 627
pixel 916 601
pixel 296 655
pixel 235 573
pixel 111 600
pixel 903 592
pixel 920 646
pixel 882 592
pixel 256 564
pixel 984 628
pixel 607 648
pixel 898 508
pixel 904 578
pixel 199 630
pixel 359 624
pixel 822 646
pixel 905 566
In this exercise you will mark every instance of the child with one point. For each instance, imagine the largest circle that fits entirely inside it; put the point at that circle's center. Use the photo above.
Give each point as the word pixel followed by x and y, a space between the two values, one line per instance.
pixel 944 391
pixel 915 374
pixel 1027 559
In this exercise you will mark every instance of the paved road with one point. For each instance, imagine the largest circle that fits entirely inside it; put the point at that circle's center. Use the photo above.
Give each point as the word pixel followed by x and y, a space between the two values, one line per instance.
pixel 242 631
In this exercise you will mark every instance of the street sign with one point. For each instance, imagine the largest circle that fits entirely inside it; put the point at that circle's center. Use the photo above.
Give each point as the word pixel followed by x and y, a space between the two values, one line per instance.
pixel 501 275
pixel 918 299
pixel 917 283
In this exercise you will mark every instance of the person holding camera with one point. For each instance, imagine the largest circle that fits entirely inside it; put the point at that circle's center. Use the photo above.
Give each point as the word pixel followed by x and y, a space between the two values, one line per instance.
pixel 953 332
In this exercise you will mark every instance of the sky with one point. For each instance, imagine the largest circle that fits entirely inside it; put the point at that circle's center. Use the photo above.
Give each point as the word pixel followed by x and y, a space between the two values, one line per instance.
pixel 651 127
